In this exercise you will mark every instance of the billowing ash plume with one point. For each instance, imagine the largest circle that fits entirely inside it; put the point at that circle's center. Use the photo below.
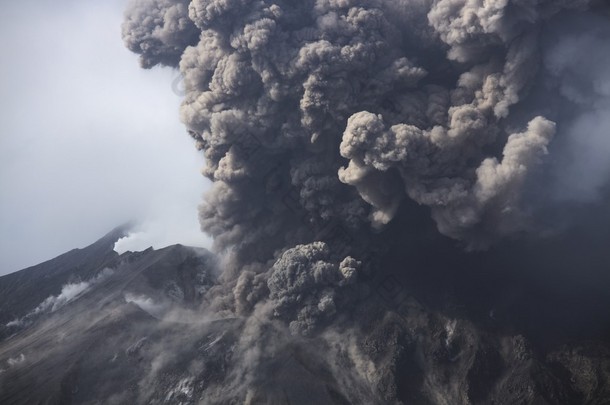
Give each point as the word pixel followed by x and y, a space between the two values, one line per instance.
pixel 159 31
pixel 333 114
pixel 411 92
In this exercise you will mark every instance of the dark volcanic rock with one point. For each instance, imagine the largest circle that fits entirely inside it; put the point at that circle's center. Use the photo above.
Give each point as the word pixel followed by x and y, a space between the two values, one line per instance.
pixel 22 291
pixel 100 344
pixel 132 329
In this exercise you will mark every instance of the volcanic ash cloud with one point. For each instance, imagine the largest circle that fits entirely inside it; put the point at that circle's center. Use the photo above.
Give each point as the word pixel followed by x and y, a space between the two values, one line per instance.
pixel 334 113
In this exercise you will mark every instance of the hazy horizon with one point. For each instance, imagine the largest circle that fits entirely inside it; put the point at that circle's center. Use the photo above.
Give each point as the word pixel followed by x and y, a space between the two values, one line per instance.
pixel 80 152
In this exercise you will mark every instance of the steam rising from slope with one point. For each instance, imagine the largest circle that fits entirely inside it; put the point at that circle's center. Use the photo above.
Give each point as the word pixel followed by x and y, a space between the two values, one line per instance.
pixel 69 292
pixel 329 114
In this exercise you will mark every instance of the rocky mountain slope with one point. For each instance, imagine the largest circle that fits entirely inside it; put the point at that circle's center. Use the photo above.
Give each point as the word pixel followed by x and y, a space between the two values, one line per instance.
pixel 95 327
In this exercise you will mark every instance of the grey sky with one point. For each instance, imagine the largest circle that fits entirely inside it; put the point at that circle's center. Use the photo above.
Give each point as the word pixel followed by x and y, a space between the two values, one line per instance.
pixel 88 139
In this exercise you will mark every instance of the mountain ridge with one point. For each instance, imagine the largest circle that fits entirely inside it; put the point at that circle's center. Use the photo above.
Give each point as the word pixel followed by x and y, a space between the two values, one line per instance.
pixel 133 329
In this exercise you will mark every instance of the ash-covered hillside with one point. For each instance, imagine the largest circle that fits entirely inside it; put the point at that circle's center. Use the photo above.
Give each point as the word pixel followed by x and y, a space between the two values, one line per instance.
pixel 92 326
pixel 95 327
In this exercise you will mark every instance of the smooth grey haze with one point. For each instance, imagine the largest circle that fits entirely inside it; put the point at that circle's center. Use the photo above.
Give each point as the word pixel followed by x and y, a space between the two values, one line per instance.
pixel 87 140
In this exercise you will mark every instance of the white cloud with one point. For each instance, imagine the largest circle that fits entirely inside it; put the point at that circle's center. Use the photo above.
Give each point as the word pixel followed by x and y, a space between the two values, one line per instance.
pixel 163 228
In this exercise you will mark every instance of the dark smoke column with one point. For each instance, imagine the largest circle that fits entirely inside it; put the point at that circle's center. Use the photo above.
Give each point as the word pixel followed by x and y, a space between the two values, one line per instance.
pixel 351 105
pixel 312 113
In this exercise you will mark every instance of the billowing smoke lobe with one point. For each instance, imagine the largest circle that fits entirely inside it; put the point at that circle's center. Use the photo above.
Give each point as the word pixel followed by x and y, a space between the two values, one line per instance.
pixel 334 130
